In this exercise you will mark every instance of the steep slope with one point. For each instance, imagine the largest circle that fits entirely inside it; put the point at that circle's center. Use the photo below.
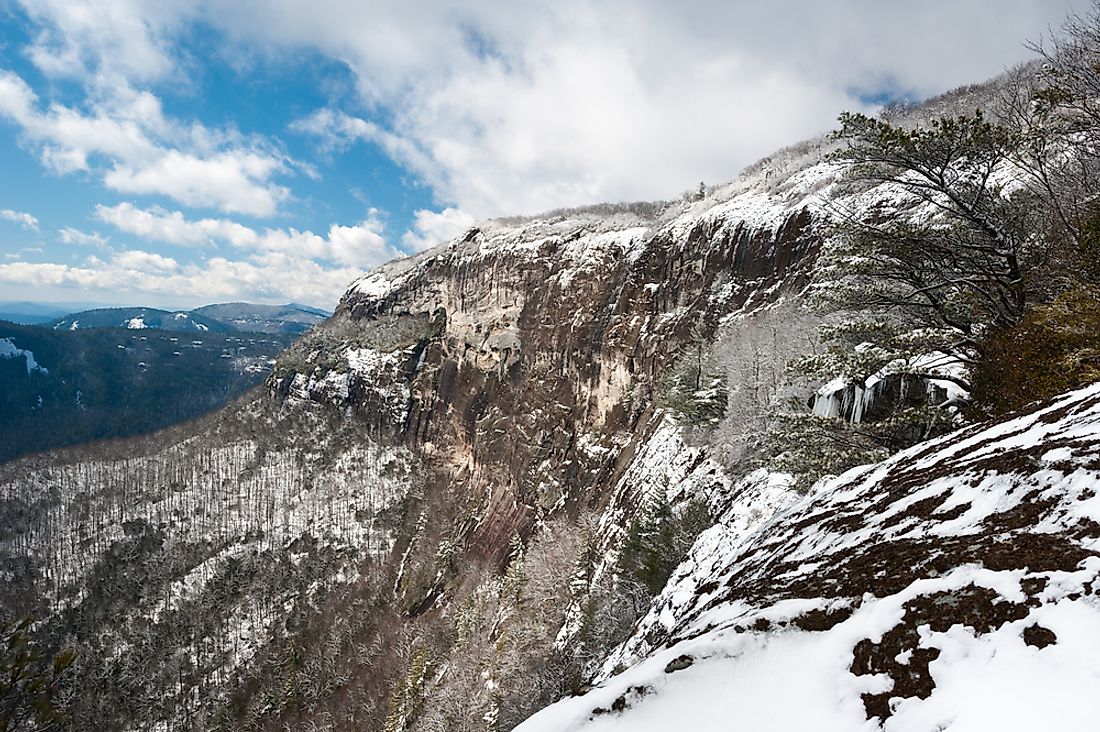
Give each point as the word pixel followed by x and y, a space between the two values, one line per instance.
pixel 953 585
pixel 454 401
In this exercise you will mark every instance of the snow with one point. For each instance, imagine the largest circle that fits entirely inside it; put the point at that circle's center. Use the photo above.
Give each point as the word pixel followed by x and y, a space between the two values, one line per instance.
pixel 996 682
pixel 135 323
pixel 796 680
pixel 8 349
pixel 777 676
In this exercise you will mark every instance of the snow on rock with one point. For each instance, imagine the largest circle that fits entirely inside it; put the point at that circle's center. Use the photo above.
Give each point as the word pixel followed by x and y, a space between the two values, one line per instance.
pixel 852 400
pixel 8 349
pixel 952 586
pixel 135 323
pixel 374 380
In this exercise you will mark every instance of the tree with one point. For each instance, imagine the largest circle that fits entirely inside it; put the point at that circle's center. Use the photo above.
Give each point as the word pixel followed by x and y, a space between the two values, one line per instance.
pixel 1058 109
pixel 692 389
pixel 30 682
pixel 929 270
pixel 658 538
pixel 752 354
pixel 1055 348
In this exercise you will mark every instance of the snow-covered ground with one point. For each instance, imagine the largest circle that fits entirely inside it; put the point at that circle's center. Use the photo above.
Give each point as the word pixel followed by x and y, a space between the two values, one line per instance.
pixel 951 587
pixel 8 349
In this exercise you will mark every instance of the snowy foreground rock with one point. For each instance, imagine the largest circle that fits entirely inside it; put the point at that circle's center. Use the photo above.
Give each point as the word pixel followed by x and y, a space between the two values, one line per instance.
pixel 953 586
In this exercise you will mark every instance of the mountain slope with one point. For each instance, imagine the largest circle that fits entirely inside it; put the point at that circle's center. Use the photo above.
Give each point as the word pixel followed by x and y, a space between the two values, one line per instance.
pixel 140 319
pixel 454 402
pixel 954 584
pixel 62 387
pixel 250 317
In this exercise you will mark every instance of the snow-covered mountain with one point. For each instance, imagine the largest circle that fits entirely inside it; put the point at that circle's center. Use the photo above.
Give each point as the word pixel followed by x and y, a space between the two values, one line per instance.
pixel 410 527
pixel 223 317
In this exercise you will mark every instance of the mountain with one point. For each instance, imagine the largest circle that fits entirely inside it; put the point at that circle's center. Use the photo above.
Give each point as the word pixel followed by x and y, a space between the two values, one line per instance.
pixel 290 319
pixel 30 313
pixel 65 387
pixel 140 318
pixel 35 313
pixel 511 480
pixel 455 401
pixel 221 318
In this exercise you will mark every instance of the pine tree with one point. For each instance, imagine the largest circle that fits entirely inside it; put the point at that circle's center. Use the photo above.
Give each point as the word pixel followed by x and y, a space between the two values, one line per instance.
pixel 649 553
pixel 929 272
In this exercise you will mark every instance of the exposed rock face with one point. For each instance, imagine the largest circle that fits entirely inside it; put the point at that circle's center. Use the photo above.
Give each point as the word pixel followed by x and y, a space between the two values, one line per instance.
pixel 532 350
pixel 895 593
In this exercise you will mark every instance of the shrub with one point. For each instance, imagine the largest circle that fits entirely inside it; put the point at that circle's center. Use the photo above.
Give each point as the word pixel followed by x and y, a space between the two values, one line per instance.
pixel 1054 349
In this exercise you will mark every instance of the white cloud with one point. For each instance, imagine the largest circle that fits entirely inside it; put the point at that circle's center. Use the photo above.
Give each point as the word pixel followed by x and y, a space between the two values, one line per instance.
pixel 144 152
pixel 512 110
pixel 171 227
pixel 70 235
pixel 270 277
pixel 361 245
pixel 147 262
pixel 23 219
pixel 506 108
pixel 228 181
pixel 129 37
pixel 430 228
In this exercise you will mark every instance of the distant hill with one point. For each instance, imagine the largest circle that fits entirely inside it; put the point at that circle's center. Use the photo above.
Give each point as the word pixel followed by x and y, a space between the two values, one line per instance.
pixel 243 316
pixel 219 318
pixel 62 387
pixel 30 313
pixel 35 313
pixel 141 319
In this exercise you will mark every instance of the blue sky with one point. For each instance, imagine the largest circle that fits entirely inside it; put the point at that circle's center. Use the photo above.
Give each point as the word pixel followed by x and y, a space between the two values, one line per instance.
pixel 179 153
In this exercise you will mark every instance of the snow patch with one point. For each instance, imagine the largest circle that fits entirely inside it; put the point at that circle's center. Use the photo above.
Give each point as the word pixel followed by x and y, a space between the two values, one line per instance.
pixel 8 349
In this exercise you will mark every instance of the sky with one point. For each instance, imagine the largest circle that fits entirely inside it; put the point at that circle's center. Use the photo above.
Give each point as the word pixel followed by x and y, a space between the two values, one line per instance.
pixel 166 153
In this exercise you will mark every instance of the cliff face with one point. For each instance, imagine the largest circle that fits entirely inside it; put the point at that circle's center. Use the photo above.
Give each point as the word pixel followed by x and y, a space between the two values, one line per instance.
pixel 533 349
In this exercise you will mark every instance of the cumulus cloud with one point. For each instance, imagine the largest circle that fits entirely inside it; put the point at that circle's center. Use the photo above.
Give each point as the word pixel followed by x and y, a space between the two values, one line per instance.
pixel 270 277
pixel 505 108
pixel 430 228
pixel 70 235
pixel 144 152
pixel 23 219
pixel 510 110
pixel 129 37
pixel 362 245
pixel 146 262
